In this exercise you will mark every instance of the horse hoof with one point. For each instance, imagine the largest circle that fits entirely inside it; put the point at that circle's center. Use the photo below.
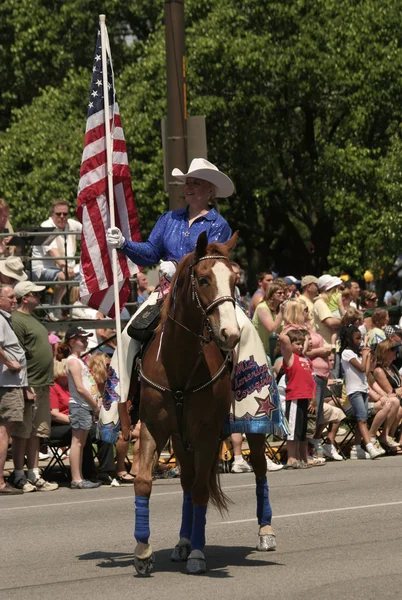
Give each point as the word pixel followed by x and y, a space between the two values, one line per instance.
pixel 196 563
pixel 181 551
pixel 266 543
pixel 144 566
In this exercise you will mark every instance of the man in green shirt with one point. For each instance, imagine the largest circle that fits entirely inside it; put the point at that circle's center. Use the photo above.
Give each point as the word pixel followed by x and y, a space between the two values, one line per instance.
pixel 33 337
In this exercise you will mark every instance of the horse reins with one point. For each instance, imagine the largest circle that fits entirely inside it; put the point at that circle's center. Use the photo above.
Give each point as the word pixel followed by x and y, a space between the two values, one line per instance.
pixel 179 395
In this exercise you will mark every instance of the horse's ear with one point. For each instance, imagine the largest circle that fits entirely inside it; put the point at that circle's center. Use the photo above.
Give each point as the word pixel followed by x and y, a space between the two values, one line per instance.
pixel 230 244
pixel 201 247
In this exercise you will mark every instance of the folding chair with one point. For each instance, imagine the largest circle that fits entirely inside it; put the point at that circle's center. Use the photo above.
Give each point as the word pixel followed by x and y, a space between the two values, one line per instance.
pixel 58 449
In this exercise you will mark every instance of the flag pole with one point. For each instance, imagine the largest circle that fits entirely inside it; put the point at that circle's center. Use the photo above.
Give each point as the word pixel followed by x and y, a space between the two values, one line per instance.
pixel 109 164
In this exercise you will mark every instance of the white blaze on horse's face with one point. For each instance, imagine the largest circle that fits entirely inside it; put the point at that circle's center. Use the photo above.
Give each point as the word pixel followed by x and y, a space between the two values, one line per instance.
pixel 226 328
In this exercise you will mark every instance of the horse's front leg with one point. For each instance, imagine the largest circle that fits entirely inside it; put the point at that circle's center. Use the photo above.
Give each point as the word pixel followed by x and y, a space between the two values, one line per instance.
pixel 266 535
pixel 149 451
pixel 205 460
pixel 186 459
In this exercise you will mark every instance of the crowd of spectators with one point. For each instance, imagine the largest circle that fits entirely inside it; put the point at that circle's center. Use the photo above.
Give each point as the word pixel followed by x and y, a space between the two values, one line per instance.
pixel 333 361
pixel 332 351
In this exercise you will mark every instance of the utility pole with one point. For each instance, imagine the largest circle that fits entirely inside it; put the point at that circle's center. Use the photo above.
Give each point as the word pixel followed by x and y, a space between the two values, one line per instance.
pixel 176 126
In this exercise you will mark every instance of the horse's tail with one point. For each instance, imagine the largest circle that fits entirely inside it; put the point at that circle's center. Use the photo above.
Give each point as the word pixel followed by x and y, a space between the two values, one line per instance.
pixel 216 495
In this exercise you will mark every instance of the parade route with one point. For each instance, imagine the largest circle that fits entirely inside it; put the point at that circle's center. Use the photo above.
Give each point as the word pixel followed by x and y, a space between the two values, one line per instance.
pixel 338 534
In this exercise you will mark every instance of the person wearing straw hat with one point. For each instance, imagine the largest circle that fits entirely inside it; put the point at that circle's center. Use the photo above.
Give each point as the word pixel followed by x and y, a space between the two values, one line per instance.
pixel 12 270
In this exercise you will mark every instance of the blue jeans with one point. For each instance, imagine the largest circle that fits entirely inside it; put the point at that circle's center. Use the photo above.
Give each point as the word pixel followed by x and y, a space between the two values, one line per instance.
pixel 359 402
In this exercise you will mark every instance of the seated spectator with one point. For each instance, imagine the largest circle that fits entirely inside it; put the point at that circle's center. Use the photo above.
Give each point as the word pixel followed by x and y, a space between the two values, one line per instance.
pixel 292 290
pixel 264 280
pixel 368 300
pixel 345 300
pixel 61 430
pixel 380 319
pixel 12 271
pixel 268 317
pixel 46 264
pixel 388 378
pixel 5 227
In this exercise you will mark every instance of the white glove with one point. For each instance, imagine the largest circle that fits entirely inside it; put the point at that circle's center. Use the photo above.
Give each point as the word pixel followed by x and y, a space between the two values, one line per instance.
pixel 115 238
pixel 167 268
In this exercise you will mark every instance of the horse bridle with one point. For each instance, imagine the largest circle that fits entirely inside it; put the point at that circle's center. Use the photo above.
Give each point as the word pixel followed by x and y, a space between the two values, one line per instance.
pixel 195 297
pixel 179 395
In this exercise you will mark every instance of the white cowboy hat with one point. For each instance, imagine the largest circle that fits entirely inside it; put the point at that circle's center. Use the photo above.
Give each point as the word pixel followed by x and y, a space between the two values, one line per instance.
pixel 203 169
pixel 14 268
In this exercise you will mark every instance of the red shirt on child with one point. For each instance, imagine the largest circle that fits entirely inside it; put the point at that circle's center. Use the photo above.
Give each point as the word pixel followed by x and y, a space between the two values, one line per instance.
pixel 300 380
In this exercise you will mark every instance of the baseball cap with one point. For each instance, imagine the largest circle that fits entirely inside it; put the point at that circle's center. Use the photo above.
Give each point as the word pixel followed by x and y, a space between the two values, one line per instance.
pixel 323 280
pixel 307 279
pixel 291 280
pixel 76 331
pixel 26 287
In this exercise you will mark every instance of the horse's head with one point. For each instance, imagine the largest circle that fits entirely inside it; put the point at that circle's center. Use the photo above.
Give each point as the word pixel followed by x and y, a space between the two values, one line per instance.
pixel 214 282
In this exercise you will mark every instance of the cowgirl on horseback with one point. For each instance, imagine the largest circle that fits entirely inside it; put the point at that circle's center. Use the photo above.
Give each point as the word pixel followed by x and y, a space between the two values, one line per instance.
pixel 255 406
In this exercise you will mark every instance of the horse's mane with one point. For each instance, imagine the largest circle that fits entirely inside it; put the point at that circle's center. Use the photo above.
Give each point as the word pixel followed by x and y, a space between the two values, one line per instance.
pixel 212 248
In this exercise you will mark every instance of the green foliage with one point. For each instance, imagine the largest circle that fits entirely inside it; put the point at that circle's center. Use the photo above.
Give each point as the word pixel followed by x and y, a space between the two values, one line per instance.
pixel 302 100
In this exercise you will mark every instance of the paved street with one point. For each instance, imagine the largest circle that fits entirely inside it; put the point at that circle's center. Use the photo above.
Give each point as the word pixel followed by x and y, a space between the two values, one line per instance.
pixel 338 531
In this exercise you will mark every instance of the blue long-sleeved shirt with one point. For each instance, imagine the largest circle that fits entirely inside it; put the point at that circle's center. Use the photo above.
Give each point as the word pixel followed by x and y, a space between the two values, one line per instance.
pixel 172 238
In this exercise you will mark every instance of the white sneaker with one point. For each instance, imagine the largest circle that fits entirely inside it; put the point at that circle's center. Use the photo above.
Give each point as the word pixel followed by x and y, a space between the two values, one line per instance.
pixel 24 484
pixel 331 452
pixel 374 453
pixel 241 467
pixel 44 486
pixel 271 466
pixel 341 431
pixel 377 446
pixel 357 453
pixel 44 456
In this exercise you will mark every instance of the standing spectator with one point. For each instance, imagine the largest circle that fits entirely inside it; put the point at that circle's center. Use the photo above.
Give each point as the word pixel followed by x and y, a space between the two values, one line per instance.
pixel 45 264
pixel 264 280
pixel 13 378
pixel 83 403
pixel 33 338
pixel 379 319
pixel 324 322
pixel 292 283
pixel 309 291
pixel 12 270
pixel 300 391
pixel 5 227
pixel 354 288
pixel 355 364
pixel 268 317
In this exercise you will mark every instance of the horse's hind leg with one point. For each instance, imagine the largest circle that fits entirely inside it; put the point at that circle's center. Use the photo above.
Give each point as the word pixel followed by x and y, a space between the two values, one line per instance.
pixel 150 448
pixel 182 549
pixel 266 535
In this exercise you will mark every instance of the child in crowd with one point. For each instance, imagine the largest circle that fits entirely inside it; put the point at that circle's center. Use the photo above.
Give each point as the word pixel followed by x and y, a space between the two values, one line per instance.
pixel 83 403
pixel 300 392
pixel 355 363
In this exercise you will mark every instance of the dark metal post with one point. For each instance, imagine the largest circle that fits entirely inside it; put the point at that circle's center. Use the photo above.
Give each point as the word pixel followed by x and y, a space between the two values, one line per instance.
pixel 176 155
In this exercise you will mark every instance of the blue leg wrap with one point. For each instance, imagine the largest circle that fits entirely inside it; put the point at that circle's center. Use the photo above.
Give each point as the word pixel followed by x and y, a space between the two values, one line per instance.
pixel 186 516
pixel 198 533
pixel 141 531
pixel 264 510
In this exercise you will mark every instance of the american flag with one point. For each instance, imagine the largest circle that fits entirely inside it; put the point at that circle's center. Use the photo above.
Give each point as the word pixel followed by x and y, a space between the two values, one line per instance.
pixel 96 282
